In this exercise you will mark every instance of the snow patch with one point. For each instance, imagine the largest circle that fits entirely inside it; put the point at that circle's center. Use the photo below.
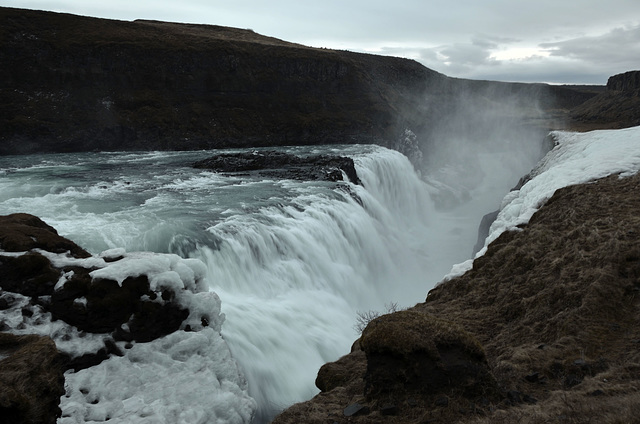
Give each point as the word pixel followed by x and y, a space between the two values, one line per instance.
pixel 577 158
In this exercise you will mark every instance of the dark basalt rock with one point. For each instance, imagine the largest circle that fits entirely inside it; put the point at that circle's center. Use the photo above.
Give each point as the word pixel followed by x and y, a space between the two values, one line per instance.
pixel 617 107
pixel 90 359
pixel 22 232
pixel 72 83
pixel 31 379
pixel 107 305
pixel 628 81
pixel 31 368
pixel 30 274
pixel 340 372
pixel 483 230
pixel 355 409
pixel 92 305
pixel 272 164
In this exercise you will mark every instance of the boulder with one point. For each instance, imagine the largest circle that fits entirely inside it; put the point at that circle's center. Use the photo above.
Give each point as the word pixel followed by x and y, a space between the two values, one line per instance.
pixel 31 379
pixel 94 305
pixel 415 354
pixel 130 311
pixel 22 232
pixel 30 274
pixel 341 372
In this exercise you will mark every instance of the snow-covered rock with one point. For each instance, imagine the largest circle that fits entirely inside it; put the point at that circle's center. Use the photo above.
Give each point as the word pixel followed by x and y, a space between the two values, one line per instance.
pixel 140 331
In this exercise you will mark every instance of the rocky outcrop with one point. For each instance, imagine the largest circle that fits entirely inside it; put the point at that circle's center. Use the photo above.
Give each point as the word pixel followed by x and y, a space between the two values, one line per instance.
pixel 90 304
pixel 51 284
pixel 31 379
pixel 483 230
pixel 554 308
pixel 415 355
pixel 618 107
pixel 279 165
pixel 629 81
pixel 22 232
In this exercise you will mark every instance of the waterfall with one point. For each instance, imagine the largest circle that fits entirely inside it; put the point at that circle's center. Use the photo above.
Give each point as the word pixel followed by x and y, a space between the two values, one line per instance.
pixel 292 262
pixel 292 276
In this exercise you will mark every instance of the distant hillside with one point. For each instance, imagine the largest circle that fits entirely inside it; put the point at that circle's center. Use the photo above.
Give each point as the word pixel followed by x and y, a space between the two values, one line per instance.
pixel 71 83
pixel 76 83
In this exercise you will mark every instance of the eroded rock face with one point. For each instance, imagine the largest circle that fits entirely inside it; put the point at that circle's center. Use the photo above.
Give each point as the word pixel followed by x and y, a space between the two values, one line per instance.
pixel 51 285
pixel 31 379
pixel 72 83
pixel 617 107
pixel 627 81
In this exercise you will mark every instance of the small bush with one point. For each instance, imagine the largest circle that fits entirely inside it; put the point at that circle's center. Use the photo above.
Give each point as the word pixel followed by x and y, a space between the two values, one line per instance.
pixel 364 318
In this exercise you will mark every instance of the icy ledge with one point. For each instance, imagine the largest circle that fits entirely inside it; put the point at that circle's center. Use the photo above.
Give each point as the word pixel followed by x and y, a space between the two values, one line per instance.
pixel 577 158
pixel 185 376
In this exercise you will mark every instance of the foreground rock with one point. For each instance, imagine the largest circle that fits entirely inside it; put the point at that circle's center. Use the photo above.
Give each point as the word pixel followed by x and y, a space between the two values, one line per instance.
pixel 31 380
pixel 124 326
pixel 278 165
pixel 95 305
pixel 554 308
pixel 414 354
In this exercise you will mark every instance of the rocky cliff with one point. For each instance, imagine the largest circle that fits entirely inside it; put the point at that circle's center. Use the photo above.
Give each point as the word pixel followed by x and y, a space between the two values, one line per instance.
pixel 617 107
pixel 629 81
pixel 77 83
pixel 71 83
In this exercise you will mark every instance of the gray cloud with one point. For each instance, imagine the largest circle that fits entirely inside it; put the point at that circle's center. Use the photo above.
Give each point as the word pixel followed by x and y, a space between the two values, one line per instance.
pixel 618 46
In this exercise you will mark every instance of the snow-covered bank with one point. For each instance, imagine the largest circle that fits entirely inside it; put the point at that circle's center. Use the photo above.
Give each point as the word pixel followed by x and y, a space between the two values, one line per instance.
pixel 576 158
pixel 185 376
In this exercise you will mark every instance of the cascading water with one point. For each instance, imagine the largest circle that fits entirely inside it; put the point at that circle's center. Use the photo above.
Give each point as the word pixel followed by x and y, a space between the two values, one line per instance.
pixel 292 261
pixel 292 276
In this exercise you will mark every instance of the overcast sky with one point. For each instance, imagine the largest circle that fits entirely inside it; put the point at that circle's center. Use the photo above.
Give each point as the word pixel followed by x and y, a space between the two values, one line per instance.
pixel 554 41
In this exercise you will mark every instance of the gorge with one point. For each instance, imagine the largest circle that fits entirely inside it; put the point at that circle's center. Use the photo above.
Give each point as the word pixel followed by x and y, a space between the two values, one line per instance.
pixel 258 275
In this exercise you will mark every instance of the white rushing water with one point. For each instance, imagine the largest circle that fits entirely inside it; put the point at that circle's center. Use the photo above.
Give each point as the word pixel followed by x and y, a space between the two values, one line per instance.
pixel 292 262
